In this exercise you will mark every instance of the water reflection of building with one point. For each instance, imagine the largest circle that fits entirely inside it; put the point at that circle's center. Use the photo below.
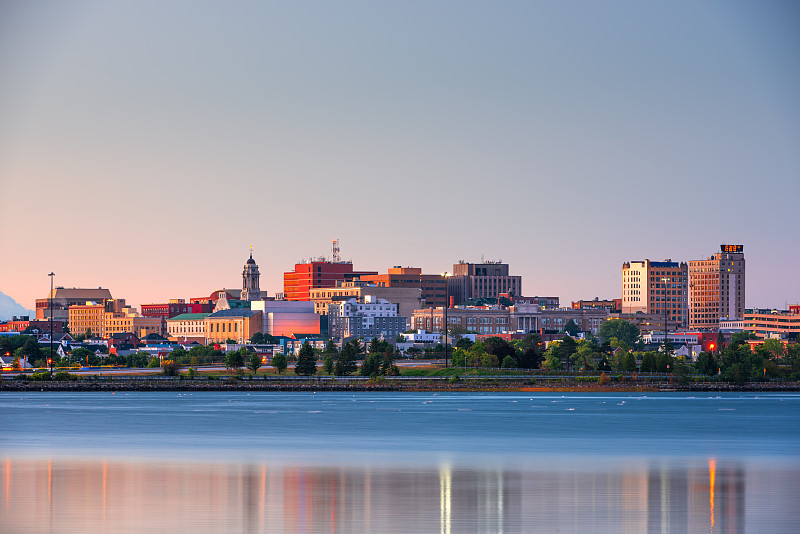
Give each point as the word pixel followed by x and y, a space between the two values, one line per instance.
pixel 137 497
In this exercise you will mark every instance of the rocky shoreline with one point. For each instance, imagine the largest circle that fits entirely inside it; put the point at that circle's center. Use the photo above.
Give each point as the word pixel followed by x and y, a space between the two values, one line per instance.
pixel 123 385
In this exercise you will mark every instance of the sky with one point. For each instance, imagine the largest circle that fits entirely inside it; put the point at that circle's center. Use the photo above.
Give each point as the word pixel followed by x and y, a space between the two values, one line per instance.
pixel 144 146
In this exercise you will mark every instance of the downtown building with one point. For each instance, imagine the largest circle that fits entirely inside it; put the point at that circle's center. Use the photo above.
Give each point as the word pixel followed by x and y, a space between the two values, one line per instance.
pixel 717 288
pixel 407 299
pixel 656 288
pixel 297 284
pixel 487 280
pixel 61 298
pixel 480 319
pixel 365 318
pixel 432 287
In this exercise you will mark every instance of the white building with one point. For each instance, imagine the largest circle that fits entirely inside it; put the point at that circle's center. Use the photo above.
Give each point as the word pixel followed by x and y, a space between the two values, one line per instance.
pixel 187 327
pixel 365 318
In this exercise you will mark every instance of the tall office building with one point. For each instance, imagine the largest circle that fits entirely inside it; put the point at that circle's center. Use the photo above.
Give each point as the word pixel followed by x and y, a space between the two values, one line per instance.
pixel 658 288
pixel 314 274
pixel 482 280
pixel 717 288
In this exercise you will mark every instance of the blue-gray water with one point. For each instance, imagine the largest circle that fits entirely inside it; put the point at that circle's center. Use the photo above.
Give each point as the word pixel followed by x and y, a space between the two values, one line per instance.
pixel 399 462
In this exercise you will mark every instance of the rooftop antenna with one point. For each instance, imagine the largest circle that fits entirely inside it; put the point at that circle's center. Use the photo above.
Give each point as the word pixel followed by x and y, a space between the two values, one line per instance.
pixel 336 257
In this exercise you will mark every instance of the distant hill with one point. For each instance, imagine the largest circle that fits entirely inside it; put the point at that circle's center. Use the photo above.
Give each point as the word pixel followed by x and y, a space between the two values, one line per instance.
pixel 10 308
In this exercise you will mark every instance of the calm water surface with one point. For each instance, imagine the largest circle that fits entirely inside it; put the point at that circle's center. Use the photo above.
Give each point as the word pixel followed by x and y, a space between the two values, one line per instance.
pixel 390 462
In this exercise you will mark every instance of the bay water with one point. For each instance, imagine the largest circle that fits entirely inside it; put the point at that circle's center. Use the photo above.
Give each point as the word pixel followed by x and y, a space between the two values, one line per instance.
pixel 399 462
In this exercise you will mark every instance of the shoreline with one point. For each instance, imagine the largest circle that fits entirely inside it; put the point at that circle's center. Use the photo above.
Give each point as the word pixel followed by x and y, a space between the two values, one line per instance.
pixel 113 385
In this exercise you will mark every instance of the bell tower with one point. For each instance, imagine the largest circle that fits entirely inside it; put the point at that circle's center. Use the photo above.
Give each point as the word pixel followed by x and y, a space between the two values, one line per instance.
pixel 250 276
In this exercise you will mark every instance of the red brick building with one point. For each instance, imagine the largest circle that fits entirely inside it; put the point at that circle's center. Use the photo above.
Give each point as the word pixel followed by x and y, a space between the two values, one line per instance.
pixel 316 274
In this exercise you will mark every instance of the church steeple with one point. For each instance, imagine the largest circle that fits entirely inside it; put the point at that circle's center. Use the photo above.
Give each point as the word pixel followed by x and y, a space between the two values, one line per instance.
pixel 250 277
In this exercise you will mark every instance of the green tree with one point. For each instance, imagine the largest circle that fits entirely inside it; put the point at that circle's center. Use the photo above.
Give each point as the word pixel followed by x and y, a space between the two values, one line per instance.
pixel 327 364
pixel 346 362
pixel 260 338
pixel 464 343
pixel 80 355
pixel 371 365
pixel 739 338
pixel 254 363
pixel 377 346
pixel 571 328
pixel 706 364
pixel 388 368
pixel 279 362
pixel 624 331
pixel 490 361
pixel 585 355
pixel 234 360
pixel 552 358
pixel 648 363
pixel 500 348
pixel 625 362
pixel 509 362
pixel 664 362
pixel 531 350
pixel 31 349
pixel 772 349
pixel 171 367
pixel 306 361
pixel 793 357
pixel 566 348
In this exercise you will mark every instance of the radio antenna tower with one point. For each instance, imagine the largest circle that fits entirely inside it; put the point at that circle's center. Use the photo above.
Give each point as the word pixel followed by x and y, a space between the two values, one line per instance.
pixel 336 257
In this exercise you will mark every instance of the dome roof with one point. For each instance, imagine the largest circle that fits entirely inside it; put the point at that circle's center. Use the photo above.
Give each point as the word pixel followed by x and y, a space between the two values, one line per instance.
pixel 251 261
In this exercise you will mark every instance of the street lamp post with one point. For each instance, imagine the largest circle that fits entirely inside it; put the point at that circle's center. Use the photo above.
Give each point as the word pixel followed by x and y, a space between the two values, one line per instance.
pixel 50 305
pixel 665 280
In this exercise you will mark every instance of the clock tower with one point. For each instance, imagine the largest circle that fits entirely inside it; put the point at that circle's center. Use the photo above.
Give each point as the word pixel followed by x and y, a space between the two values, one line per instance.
pixel 250 276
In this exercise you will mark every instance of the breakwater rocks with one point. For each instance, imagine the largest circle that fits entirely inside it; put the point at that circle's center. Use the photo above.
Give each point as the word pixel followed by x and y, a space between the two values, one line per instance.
pixel 311 385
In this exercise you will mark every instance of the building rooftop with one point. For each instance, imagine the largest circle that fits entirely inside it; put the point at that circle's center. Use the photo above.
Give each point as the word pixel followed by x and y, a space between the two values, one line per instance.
pixel 190 317
pixel 244 312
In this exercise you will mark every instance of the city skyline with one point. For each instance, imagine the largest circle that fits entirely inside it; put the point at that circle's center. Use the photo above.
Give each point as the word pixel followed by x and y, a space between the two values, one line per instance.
pixel 144 147
pixel 272 293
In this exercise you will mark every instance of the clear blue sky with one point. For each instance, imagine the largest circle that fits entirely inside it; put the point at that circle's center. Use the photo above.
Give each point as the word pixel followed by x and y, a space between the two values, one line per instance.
pixel 145 145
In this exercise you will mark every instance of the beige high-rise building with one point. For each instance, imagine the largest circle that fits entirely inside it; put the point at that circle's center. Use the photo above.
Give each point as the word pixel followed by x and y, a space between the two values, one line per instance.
pixel 656 287
pixel 87 317
pixel 717 288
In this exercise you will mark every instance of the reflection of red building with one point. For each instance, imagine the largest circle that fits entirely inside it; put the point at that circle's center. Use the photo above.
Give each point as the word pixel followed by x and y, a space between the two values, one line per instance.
pixel 307 276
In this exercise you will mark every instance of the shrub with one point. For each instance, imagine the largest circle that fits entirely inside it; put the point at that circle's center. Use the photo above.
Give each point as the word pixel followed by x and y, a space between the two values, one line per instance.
pixel 171 368
pixel 62 376
pixel 41 376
